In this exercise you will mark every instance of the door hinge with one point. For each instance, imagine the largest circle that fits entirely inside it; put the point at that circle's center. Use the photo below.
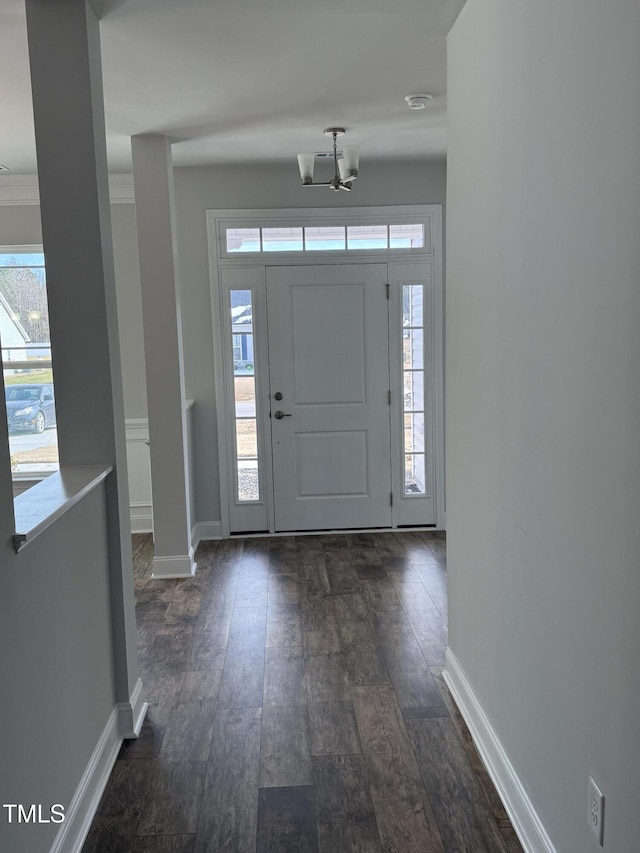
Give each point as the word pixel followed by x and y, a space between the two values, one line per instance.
pixel 390 498
pixel 389 397
pixel 388 289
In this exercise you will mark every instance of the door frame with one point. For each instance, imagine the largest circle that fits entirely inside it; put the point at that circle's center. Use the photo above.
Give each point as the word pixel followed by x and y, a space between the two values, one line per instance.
pixel 254 266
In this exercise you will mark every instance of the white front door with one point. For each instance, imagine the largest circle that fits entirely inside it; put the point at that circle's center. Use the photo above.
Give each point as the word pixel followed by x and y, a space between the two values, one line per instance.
pixel 329 386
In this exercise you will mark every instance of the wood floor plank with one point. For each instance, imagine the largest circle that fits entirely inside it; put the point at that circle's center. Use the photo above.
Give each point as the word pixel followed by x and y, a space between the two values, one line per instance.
pixel 284 589
pixel 116 820
pixel 173 802
pixel 285 749
pixel 236 622
pixel 312 574
pixel 405 820
pixel 427 624
pixel 229 812
pixel 204 654
pixel 400 570
pixel 248 628
pixel 379 594
pixel 315 613
pixel 216 625
pixel 242 678
pixel 284 626
pixel 284 677
pixel 287 821
pixel 252 589
pixel 187 602
pixel 341 573
pixel 172 646
pixel 414 685
pixel 165 844
pixel 346 818
pixel 363 657
pixel 188 733
pixel 460 808
pixel 434 579
pixel 327 678
pixel 390 544
pixel 475 761
pixel 333 728
pixel 160 689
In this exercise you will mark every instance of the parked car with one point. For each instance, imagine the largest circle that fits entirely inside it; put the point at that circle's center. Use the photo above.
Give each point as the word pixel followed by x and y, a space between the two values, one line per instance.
pixel 30 407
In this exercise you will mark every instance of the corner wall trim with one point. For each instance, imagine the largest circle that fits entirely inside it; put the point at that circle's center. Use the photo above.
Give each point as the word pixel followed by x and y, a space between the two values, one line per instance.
pixel 131 714
pixel 179 566
pixel 85 801
pixel 526 822
pixel 204 531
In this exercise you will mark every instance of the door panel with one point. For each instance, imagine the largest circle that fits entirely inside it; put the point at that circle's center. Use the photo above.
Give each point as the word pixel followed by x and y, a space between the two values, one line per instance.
pixel 328 340
pixel 329 359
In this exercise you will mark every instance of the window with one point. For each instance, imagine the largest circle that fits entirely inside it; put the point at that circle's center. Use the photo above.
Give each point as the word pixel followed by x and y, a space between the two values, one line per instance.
pixel 26 365
pixel 324 238
pixel 244 390
pixel 413 383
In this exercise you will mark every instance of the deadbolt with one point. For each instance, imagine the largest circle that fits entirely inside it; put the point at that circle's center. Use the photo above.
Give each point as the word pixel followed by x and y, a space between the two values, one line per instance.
pixel 278 395
pixel 279 415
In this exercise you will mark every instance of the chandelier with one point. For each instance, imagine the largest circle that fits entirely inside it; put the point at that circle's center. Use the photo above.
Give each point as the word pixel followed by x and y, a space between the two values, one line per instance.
pixel 345 168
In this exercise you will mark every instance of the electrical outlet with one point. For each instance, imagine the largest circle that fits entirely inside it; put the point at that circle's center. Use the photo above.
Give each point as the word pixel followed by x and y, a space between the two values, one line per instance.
pixel 596 811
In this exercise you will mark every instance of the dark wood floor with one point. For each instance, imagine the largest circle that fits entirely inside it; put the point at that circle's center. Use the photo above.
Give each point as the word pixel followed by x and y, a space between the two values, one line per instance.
pixel 297 704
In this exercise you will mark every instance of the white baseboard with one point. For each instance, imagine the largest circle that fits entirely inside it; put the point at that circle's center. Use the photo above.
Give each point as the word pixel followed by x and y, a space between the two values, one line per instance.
pixel 141 518
pixel 204 531
pixel 125 721
pixel 131 714
pixel 85 801
pixel 180 566
pixel 526 822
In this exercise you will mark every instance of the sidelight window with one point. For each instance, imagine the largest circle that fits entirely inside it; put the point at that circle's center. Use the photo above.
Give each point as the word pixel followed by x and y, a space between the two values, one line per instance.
pixel 244 390
pixel 413 372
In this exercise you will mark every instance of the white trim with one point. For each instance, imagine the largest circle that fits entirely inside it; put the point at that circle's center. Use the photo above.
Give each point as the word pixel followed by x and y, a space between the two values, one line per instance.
pixel 526 822
pixel 125 721
pixel 43 504
pixel 254 264
pixel 439 367
pixel 179 566
pixel 335 532
pixel 24 189
pixel 141 517
pixel 85 801
pixel 137 429
pixel 131 714
pixel 205 531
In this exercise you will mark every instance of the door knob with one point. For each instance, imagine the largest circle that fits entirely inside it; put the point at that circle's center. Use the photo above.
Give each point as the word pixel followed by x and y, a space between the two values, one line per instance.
pixel 278 395
pixel 279 415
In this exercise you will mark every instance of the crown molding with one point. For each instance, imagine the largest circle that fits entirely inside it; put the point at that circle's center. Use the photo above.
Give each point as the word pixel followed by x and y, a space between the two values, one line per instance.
pixel 23 189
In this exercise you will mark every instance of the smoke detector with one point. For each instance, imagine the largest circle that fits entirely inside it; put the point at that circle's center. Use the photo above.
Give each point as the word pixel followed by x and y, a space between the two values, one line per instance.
pixel 417 102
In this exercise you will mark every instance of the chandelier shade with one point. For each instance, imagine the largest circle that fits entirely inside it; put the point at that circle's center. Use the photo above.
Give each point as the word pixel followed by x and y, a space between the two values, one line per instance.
pixel 306 162
pixel 345 167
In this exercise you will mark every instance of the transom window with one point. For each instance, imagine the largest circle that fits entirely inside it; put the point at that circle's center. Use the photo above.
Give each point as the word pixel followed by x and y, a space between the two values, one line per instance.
pixel 324 238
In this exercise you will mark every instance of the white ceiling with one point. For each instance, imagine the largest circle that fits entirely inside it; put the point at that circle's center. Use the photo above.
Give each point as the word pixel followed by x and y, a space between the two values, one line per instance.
pixel 244 80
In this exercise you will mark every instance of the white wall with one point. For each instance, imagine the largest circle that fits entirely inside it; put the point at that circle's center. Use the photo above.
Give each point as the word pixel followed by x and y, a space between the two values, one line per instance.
pixel 543 407
pixel 56 665
pixel 200 189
